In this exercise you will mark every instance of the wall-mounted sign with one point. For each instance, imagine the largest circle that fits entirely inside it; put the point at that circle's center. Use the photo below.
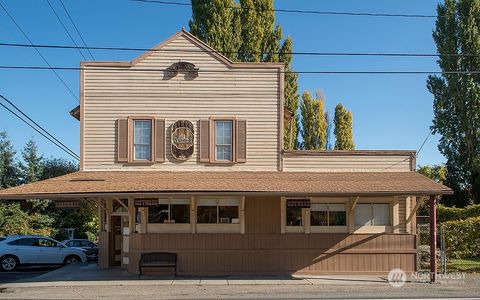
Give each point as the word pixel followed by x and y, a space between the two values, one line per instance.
pixel 181 66
pixel 145 202
pixel 302 203
pixel 183 139
pixel 67 204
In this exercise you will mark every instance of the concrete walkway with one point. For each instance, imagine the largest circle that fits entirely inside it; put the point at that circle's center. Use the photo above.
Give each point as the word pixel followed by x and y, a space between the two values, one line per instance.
pixel 91 275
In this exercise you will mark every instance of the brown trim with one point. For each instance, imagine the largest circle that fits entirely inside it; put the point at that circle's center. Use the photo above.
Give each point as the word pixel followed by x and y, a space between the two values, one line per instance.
pixel 131 158
pixel 217 193
pixel 213 134
pixel 281 112
pixel 348 152
pixel 82 116
pixel 196 41
pixel 413 161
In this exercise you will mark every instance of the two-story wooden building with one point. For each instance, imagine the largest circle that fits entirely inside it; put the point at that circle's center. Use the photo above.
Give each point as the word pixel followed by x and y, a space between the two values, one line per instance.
pixel 182 150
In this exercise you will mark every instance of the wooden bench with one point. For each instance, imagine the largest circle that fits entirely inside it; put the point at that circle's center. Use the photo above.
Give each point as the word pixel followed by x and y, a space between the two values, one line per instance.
pixel 157 260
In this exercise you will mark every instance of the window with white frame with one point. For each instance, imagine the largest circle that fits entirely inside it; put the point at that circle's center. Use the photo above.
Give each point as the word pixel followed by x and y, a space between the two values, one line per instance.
pixel 223 140
pixel 372 214
pixel 218 211
pixel 142 140
pixel 168 211
pixel 328 214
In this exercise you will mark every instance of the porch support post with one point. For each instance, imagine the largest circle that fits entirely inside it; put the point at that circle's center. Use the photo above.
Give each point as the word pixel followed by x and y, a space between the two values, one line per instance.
pixel 433 239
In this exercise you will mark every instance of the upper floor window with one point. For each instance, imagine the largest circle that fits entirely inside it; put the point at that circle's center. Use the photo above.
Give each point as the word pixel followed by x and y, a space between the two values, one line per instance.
pixel 142 140
pixel 372 214
pixel 224 140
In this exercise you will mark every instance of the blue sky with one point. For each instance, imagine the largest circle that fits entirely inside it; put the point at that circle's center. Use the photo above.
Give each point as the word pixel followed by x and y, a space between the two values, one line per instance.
pixel 389 111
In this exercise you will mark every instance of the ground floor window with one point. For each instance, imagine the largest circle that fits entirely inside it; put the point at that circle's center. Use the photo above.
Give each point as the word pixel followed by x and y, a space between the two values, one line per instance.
pixel 323 214
pixel 294 216
pixel 218 211
pixel 372 214
pixel 170 211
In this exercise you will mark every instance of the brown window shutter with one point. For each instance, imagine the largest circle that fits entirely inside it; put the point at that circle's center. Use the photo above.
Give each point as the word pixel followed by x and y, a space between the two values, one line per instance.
pixel 159 140
pixel 241 137
pixel 204 140
pixel 122 140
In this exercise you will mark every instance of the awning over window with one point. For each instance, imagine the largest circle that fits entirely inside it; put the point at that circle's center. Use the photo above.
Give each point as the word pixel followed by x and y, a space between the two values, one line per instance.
pixel 135 183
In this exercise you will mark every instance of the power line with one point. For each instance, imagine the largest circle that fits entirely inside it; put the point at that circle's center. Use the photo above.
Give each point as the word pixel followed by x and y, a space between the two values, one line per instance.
pixel 309 53
pixel 127 69
pixel 38 51
pixel 298 11
pixel 65 28
pixel 416 154
pixel 38 125
pixel 41 133
pixel 76 29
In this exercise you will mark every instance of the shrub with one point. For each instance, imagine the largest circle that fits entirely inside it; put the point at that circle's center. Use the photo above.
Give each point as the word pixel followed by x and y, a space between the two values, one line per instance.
pixel 445 213
pixel 462 238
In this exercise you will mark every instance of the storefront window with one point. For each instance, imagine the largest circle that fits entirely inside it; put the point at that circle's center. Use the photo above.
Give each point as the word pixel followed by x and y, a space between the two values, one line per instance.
pixel 213 211
pixel 294 216
pixel 170 211
pixel 328 215
pixel 372 214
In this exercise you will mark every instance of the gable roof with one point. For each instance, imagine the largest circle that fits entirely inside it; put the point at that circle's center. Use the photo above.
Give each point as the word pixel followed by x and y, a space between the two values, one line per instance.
pixel 130 183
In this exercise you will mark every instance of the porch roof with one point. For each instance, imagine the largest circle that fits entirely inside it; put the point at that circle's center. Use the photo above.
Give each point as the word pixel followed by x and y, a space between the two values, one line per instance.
pixel 141 183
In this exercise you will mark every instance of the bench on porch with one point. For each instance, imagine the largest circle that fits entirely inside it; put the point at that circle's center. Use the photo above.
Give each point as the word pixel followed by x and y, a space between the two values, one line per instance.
pixel 157 260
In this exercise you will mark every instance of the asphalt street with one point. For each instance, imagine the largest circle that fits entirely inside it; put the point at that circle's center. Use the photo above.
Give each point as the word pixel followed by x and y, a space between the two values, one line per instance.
pixel 24 273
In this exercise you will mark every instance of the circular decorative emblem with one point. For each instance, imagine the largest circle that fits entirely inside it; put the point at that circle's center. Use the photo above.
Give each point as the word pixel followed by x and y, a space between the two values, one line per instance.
pixel 182 139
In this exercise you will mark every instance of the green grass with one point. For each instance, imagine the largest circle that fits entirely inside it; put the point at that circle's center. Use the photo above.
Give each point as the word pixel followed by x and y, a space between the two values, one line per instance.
pixel 471 264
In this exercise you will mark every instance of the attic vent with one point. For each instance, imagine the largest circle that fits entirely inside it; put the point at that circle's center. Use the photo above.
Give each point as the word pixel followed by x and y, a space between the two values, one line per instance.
pixel 87 179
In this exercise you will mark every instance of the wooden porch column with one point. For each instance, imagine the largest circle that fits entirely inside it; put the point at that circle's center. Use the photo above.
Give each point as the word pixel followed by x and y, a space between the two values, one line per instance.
pixel 433 239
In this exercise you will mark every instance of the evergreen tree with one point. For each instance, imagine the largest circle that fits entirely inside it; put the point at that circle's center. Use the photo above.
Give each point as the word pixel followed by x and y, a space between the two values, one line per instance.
pixel 343 121
pixel 31 168
pixel 53 167
pixel 314 124
pixel 8 166
pixel 217 22
pixel 246 32
pixel 328 142
pixel 457 97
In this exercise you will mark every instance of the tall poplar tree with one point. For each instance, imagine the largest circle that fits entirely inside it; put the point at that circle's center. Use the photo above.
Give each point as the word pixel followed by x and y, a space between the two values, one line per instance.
pixel 314 123
pixel 246 31
pixel 456 104
pixel 343 131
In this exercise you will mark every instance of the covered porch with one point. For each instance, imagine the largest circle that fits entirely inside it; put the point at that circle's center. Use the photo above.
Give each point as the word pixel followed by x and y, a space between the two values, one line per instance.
pixel 263 235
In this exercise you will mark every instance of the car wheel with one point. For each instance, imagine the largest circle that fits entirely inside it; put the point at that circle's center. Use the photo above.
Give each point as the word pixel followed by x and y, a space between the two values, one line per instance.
pixel 8 263
pixel 72 259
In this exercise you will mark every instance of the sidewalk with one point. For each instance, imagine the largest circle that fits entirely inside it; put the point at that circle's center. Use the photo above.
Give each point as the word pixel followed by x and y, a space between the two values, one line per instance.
pixel 91 275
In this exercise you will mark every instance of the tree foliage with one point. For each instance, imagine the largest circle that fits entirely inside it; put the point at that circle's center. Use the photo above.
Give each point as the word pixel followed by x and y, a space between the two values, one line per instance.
pixel 31 167
pixel 314 122
pixel 8 165
pixel 437 173
pixel 343 131
pixel 457 97
pixel 246 31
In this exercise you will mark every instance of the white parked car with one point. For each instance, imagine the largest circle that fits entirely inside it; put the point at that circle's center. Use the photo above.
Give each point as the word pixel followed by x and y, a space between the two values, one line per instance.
pixel 36 250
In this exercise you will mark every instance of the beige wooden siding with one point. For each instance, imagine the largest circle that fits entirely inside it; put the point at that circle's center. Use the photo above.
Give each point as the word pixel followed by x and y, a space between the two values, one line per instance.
pixel 250 94
pixel 346 163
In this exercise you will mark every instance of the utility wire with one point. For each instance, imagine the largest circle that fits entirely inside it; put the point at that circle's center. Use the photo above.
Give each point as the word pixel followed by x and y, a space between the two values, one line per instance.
pixel 41 133
pixel 298 11
pixel 76 29
pixel 38 51
pixel 38 125
pixel 309 53
pixel 65 28
pixel 416 154
pixel 128 69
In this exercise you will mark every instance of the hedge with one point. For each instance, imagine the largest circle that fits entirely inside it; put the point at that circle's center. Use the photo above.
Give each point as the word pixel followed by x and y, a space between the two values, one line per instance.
pixel 445 213
pixel 462 238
